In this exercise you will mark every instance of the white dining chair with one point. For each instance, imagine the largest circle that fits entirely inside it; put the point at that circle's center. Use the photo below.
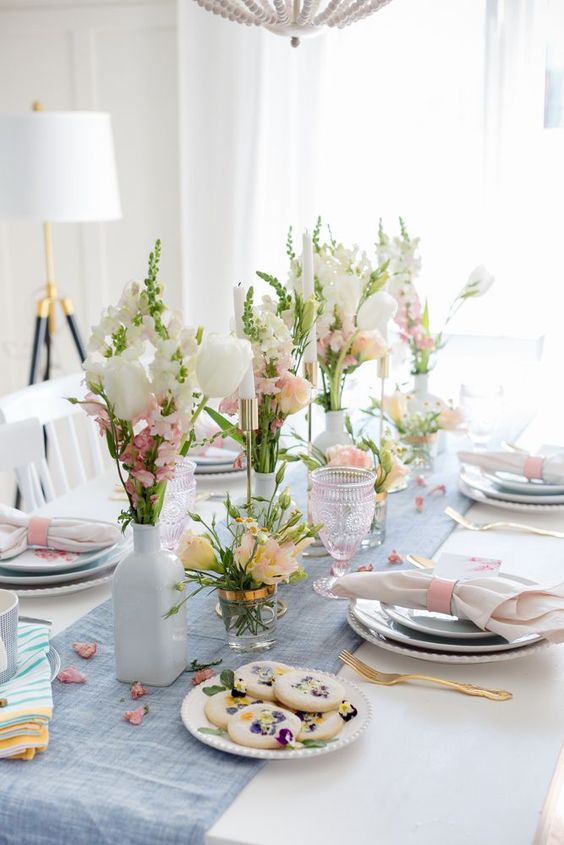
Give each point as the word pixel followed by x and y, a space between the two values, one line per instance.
pixel 22 451
pixel 73 442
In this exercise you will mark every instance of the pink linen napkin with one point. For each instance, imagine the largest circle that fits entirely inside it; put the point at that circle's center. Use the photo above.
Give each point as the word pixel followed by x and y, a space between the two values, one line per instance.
pixel 549 469
pixel 493 603
pixel 19 530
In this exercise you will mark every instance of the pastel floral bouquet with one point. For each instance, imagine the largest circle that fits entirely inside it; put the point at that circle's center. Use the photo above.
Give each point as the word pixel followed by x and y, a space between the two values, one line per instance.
pixel 257 547
pixel 354 311
pixel 362 452
pixel 278 329
pixel 435 416
pixel 148 378
pixel 403 259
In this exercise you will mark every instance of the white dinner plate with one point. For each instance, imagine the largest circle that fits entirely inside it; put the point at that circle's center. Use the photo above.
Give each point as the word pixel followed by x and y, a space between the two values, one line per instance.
pixel 63 589
pixel 479 482
pixel 439 624
pixel 97 567
pixel 520 484
pixel 440 656
pixel 48 561
pixel 371 615
pixel 226 458
pixel 193 716
pixel 479 496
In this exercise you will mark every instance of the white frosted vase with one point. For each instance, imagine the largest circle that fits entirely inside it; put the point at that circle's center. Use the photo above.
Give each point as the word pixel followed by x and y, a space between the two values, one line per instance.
pixel 148 647
pixel 335 433
pixel 423 402
pixel 264 484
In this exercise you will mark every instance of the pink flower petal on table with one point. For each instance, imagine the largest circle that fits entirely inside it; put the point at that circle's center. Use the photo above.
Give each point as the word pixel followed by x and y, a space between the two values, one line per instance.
pixel 202 675
pixel 366 567
pixel 85 650
pixel 395 557
pixel 419 503
pixel 438 488
pixel 135 717
pixel 421 481
pixel 70 675
pixel 137 690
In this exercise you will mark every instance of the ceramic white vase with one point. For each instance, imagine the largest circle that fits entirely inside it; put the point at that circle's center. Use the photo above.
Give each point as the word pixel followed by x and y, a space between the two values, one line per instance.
pixel 148 647
pixel 335 433
pixel 264 484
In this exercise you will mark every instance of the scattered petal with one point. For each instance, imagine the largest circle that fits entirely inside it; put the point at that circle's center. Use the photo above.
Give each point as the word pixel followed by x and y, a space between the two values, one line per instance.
pixel 135 717
pixel 202 675
pixel 366 567
pixel 438 488
pixel 419 503
pixel 85 650
pixel 137 690
pixel 421 481
pixel 395 557
pixel 70 675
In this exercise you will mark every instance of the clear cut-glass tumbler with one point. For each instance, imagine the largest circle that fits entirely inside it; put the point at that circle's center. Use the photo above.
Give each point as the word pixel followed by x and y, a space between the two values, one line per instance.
pixel 342 498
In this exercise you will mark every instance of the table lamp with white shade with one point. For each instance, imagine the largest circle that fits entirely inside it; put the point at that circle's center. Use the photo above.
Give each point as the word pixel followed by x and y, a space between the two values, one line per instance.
pixel 56 167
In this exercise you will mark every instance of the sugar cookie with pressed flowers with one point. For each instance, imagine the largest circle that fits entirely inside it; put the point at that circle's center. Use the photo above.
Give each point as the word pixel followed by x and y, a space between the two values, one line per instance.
pixel 320 725
pixel 219 707
pixel 314 692
pixel 259 677
pixel 264 725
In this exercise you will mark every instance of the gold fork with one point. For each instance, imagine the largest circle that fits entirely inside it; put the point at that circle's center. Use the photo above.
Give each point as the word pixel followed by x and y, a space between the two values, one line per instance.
pixel 488 526
pixel 389 680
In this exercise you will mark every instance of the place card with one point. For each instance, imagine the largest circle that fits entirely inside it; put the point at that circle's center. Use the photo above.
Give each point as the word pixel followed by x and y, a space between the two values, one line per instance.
pixel 462 567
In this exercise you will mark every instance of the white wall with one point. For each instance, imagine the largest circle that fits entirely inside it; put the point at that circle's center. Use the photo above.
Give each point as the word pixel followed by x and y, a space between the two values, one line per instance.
pixel 101 55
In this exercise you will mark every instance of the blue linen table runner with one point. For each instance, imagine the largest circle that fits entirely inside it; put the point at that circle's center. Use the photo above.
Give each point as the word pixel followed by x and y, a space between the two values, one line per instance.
pixel 103 781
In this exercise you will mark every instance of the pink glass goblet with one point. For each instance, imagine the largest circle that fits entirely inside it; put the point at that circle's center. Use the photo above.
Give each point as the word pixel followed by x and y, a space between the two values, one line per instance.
pixel 342 498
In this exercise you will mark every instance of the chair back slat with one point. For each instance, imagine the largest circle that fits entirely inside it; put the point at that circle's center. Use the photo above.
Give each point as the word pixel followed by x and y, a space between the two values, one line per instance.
pixel 94 441
pixel 56 457
pixel 22 450
pixel 74 448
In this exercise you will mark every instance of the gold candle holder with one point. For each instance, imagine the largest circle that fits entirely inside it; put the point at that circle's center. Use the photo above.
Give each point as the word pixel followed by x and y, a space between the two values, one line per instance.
pixel 248 422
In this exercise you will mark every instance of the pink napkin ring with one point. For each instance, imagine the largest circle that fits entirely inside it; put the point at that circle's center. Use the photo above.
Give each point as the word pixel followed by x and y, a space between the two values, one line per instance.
pixel 533 466
pixel 439 595
pixel 37 531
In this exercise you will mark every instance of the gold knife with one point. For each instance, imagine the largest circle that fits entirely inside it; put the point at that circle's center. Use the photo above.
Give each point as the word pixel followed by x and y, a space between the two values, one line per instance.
pixel 421 562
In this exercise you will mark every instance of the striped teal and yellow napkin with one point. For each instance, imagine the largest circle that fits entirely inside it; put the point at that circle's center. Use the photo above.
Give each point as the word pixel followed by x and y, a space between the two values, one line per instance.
pixel 27 703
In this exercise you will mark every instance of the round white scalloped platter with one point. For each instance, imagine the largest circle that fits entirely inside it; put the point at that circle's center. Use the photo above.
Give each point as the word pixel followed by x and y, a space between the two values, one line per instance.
pixel 478 496
pixel 62 589
pixel 193 716
pixel 441 657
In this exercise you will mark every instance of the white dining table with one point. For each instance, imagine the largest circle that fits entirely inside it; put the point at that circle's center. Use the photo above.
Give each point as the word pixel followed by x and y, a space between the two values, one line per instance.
pixel 434 767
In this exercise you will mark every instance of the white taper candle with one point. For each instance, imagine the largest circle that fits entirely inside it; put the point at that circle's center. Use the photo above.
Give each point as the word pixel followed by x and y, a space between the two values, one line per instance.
pixel 247 386
pixel 310 351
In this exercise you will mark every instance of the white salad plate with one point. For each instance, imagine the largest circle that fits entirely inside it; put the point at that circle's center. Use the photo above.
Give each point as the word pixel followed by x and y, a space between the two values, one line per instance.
pixel 64 589
pixel 479 482
pixel 437 624
pixel 440 656
pixel 520 484
pixel 193 717
pixel 98 567
pixel 371 615
pixel 518 507
pixel 222 457
pixel 441 625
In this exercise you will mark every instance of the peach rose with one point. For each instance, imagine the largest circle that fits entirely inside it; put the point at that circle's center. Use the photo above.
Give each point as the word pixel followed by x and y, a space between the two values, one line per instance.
pixel 348 456
pixel 294 393
pixel 368 346
pixel 451 418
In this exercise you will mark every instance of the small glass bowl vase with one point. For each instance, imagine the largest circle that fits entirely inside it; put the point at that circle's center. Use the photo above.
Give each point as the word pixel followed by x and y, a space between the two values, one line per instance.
pixel 377 533
pixel 180 497
pixel 420 455
pixel 249 617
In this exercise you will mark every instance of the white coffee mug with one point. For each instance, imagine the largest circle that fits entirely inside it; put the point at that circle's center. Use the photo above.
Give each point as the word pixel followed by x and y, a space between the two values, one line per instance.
pixel 8 634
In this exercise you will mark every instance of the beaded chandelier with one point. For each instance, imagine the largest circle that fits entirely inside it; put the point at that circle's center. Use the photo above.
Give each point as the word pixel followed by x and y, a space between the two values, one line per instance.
pixel 295 19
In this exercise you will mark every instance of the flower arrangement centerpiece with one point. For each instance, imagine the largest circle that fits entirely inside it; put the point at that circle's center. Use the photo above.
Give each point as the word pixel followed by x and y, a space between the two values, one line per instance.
pixel 401 252
pixel 418 429
pixel 354 310
pixel 278 329
pixel 256 550
pixel 362 452
pixel 149 377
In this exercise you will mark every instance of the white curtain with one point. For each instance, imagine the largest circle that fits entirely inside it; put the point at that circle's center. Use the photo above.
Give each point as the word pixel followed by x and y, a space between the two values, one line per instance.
pixel 431 110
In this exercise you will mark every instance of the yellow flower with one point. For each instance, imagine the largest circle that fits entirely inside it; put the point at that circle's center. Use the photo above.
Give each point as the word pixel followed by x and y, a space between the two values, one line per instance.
pixel 196 552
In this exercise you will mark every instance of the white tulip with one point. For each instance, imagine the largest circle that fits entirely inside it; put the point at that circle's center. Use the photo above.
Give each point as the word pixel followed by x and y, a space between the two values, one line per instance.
pixel 376 312
pixel 127 387
pixel 221 364
pixel 479 282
